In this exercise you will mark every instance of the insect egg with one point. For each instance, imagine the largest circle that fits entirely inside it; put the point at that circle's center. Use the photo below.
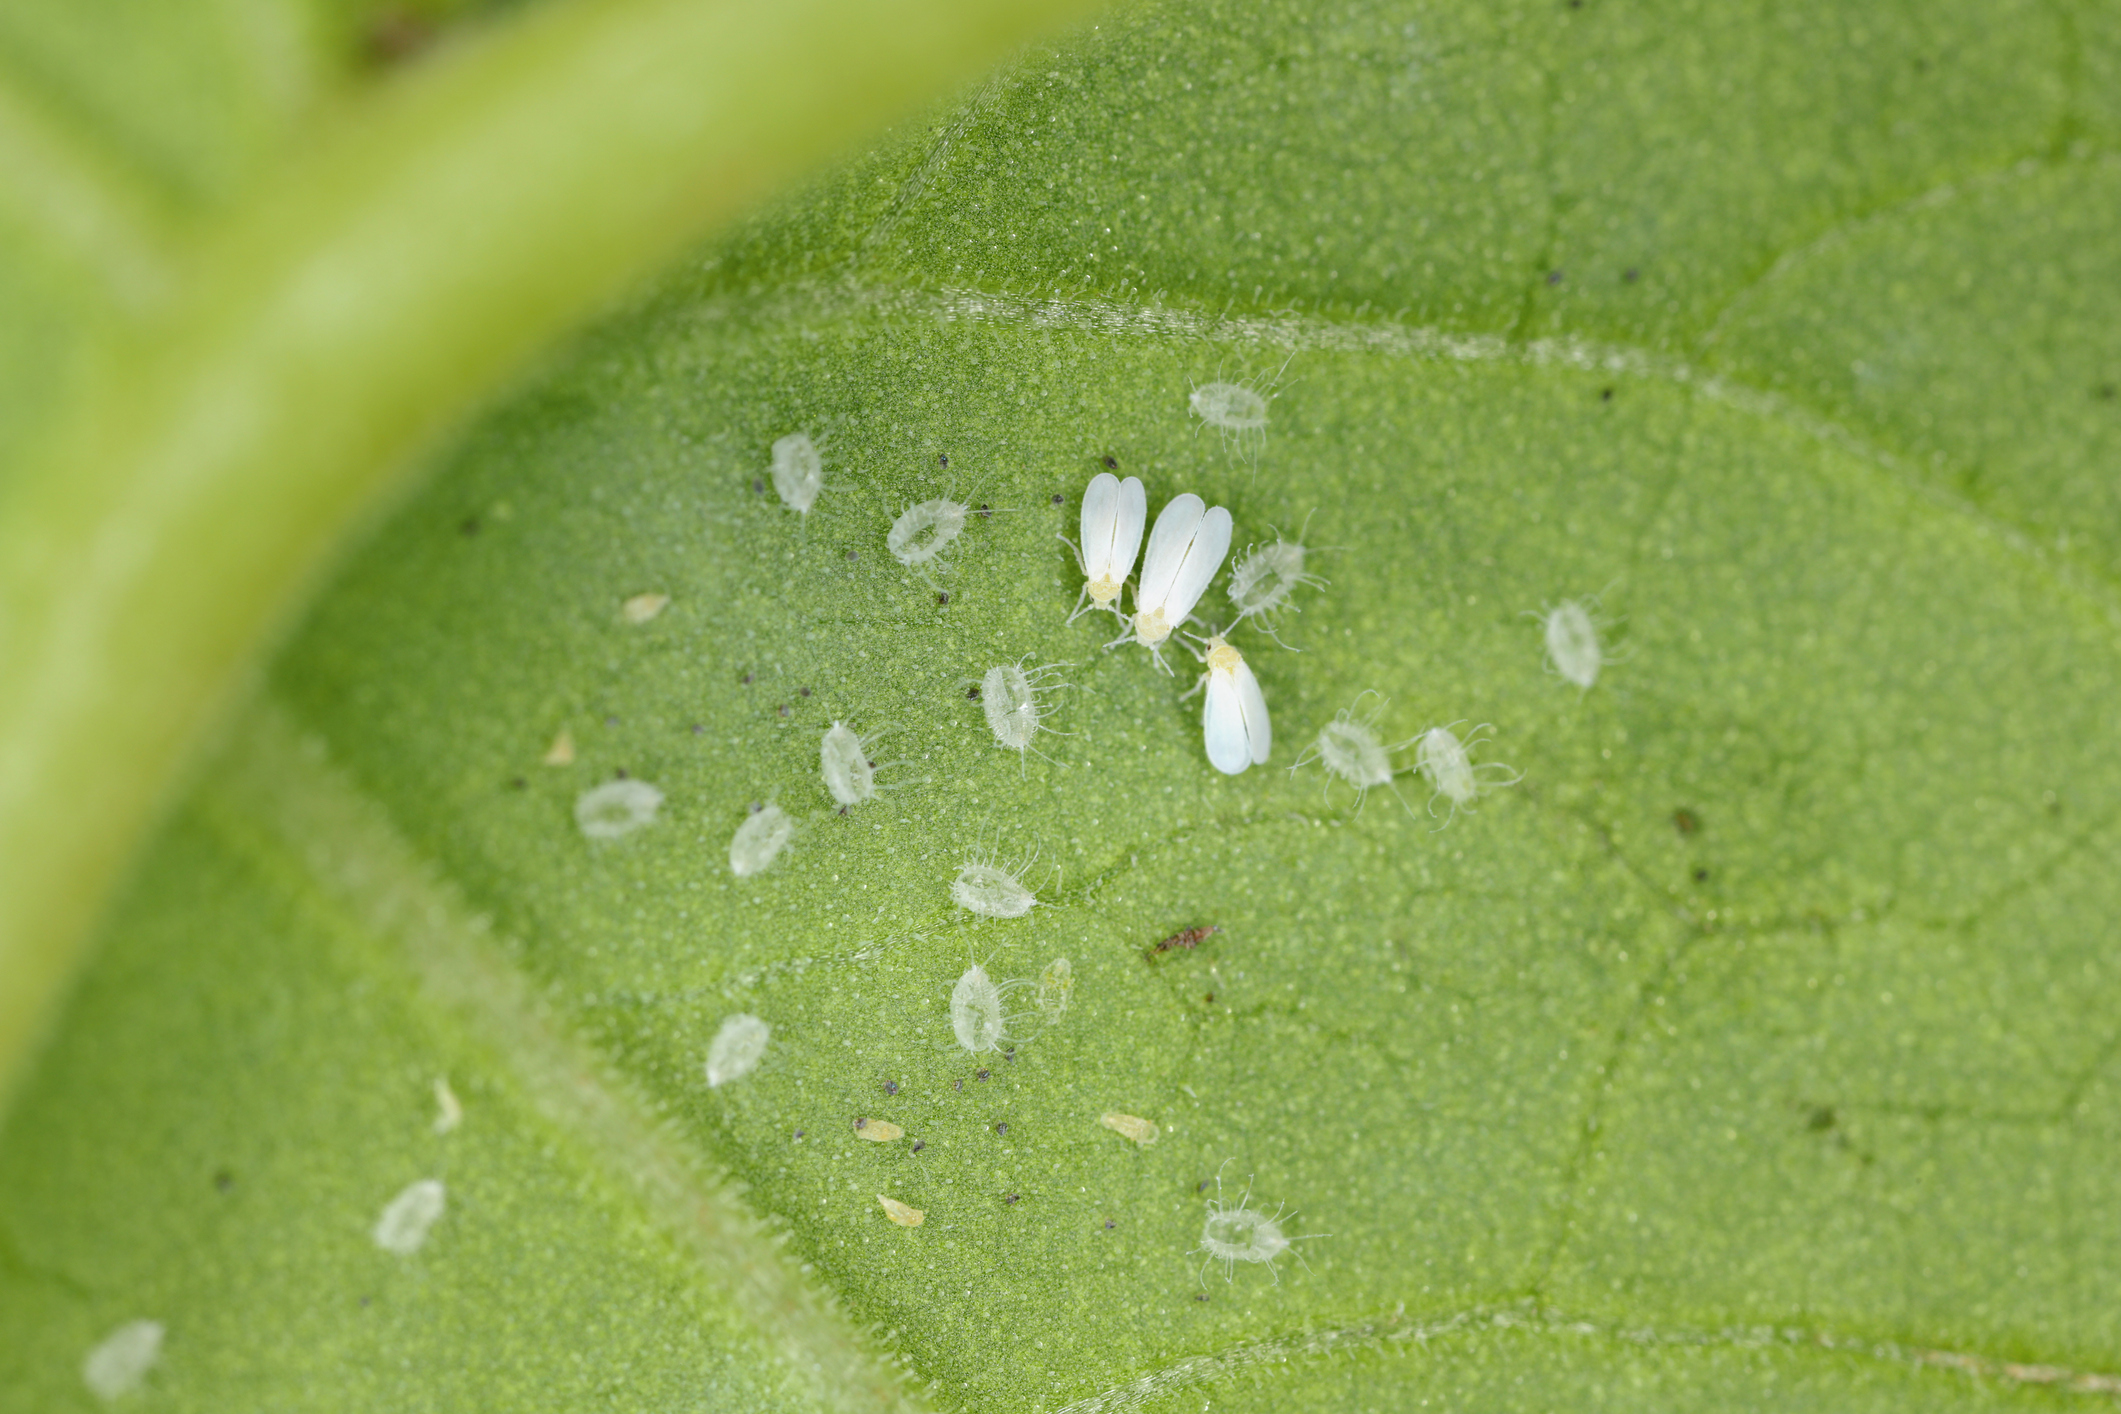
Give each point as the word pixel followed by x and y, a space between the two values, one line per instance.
pixel 1186 549
pixel 1141 1131
pixel 121 1360
pixel 759 840
pixel 734 1053
pixel 925 530
pixel 899 1213
pixel 1234 721
pixel 1114 513
pixel 616 808
pixel 798 471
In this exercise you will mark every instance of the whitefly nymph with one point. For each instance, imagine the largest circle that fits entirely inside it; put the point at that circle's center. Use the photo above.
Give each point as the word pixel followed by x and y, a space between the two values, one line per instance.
pixel 1115 512
pixel 1233 718
pixel 1571 631
pixel 798 471
pixel 759 840
pixel 616 808
pixel 738 1044
pixel 1056 988
pixel 976 1018
pixel 1349 748
pixel 843 761
pixel 1010 697
pixel 1264 579
pixel 1447 762
pixel 1238 411
pixel 924 530
pixel 985 888
pixel 1242 1233
pixel 1186 549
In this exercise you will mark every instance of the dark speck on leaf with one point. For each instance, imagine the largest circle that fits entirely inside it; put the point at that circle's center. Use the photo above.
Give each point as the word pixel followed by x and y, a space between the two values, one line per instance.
pixel 1112 463
pixel 1013 1199
pixel 698 728
pixel 366 1299
pixel 942 597
pixel 1685 821
pixel 611 721
pixel 2109 391
pixel 224 1180
pixel 1701 876
pixel 1109 1224
pixel 854 554
pixel 1605 395
pixel 861 1123
pixel 972 692
pixel 619 774
pixel 1553 277
pixel 783 709
pixel 757 485
pixel 1058 498
pixel 919 1144
pixel 470 526
pixel 957 1084
pixel 943 457
pixel 747 678
pixel 757 806
pixel 980 1074
pixel 519 784
pixel 1209 998
pixel 1001 1126
pixel 1820 1118
pixel 799 1134
pixel 1200 1296
pixel 986 512
pixel 890 1087
pixel 843 810
pixel 1631 276
pixel 805 691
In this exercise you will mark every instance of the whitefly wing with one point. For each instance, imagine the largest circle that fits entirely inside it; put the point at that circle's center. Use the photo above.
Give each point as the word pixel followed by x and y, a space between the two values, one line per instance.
pixel 1176 525
pixel 1204 558
pixel 1252 706
pixel 1223 726
pixel 1109 549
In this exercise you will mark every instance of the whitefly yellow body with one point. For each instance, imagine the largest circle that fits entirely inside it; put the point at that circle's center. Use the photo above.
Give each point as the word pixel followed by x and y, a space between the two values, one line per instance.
pixel 1234 719
pixel 1186 549
pixel 1115 513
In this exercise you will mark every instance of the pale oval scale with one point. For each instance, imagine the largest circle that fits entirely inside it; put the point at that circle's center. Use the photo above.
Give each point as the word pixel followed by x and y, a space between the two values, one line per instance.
pixel 118 1363
pixel 616 809
pixel 408 1218
pixel 737 1046
pixel 759 840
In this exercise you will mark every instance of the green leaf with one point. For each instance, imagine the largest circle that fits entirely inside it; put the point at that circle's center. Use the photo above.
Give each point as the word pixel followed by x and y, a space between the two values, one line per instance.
pixel 1751 1050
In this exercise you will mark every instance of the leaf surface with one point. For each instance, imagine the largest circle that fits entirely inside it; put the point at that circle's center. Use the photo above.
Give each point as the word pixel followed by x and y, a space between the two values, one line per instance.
pixel 1751 1050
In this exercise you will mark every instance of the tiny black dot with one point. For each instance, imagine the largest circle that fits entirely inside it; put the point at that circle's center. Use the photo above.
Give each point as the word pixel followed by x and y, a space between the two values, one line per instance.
pixel 957 1084
pixel 942 597
pixel 699 728
pixel 979 1075
pixel 783 709
pixel 861 1124
pixel 1112 463
pixel 1109 1224
pixel 853 554
pixel 619 775
pixel 890 1087
pixel 804 691
pixel 470 526
pixel 1009 1055
pixel 799 1134
pixel 1012 1198
pixel 843 810
pixel 1605 395
pixel 1820 1118
pixel 365 1300
pixel 757 485
pixel 1001 1126
pixel 1631 276
pixel 1701 876
pixel 519 784
pixel 757 806
pixel 224 1180
pixel 919 1144
pixel 972 692
pixel 2109 391
pixel 1058 498
pixel 1209 998
pixel 1200 1296
pixel 944 458
pixel 611 721
pixel 985 511
pixel 747 678
pixel 1685 821
pixel 1553 277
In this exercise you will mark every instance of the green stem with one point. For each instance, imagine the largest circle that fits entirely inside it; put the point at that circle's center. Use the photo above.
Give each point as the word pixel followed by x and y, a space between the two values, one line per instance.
pixel 336 326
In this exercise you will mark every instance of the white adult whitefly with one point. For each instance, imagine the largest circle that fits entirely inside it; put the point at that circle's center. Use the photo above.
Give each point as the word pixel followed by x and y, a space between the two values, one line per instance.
pixel 1115 512
pixel 735 1051
pixel 1186 549
pixel 119 1362
pixel 1233 719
